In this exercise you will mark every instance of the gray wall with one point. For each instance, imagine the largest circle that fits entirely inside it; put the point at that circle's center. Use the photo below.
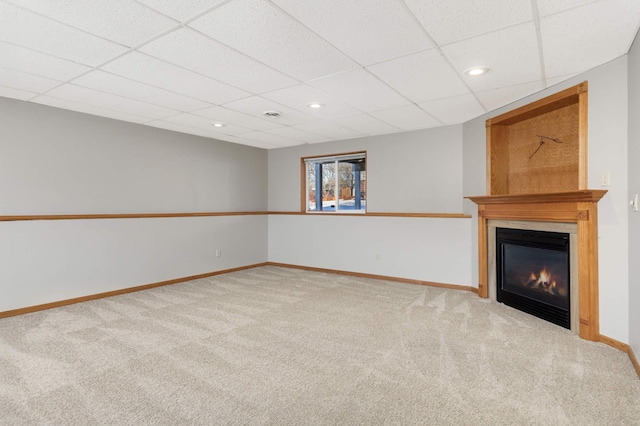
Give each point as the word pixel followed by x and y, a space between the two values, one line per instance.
pixel 634 188
pixel 418 172
pixel 474 180
pixel 54 161
pixel 608 149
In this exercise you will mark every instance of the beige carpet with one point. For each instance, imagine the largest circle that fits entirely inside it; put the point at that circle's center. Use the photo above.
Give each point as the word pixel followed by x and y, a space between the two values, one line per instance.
pixel 288 347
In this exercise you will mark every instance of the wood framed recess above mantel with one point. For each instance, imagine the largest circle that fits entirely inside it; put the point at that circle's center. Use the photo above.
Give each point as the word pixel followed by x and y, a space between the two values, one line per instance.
pixel 537 171
pixel 517 162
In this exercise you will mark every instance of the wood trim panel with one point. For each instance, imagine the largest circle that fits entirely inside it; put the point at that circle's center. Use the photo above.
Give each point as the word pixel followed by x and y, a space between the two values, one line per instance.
pixel 550 103
pixel 15 218
pixel 497 168
pixel 614 343
pixel 586 195
pixel 583 146
pixel 75 300
pixel 634 361
pixel 123 216
pixel 381 214
pixel 303 186
pixel 374 276
pixel 435 215
pixel 624 348
pixel 538 215
pixel 488 152
pixel 483 261
pixel 588 273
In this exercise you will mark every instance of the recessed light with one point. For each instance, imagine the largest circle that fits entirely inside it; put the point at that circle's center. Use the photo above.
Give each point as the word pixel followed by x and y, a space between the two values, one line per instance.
pixel 218 124
pixel 315 105
pixel 476 71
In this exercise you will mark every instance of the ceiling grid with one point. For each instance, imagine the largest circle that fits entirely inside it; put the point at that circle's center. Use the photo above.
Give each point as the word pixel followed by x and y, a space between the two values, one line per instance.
pixel 373 66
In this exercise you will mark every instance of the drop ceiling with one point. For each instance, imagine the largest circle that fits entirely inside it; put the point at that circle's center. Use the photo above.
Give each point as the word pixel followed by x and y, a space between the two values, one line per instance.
pixel 376 66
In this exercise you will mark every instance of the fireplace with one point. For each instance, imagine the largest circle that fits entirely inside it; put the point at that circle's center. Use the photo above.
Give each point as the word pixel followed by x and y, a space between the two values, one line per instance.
pixel 552 189
pixel 575 213
pixel 533 273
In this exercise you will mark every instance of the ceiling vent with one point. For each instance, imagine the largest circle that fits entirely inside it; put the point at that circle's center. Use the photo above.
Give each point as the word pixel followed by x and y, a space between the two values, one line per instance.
pixel 272 114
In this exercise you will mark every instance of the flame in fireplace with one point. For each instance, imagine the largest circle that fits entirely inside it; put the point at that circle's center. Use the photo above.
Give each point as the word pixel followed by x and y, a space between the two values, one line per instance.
pixel 544 276
pixel 542 282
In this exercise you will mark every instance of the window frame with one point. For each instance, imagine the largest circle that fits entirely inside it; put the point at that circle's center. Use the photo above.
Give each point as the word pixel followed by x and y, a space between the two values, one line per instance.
pixel 304 184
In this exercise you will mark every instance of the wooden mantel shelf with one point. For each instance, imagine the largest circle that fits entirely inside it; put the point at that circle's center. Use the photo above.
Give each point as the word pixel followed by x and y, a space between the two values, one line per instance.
pixel 581 196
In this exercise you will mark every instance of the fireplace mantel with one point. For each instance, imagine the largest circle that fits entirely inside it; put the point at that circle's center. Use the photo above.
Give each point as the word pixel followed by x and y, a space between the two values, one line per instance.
pixel 585 196
pixel 579 207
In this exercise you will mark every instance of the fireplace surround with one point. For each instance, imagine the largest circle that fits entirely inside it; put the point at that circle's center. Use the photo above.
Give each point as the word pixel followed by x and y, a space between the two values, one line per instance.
pixel 562 212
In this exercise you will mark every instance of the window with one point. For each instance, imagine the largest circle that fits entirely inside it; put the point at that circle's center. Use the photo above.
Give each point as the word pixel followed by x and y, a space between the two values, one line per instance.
pixel 336 183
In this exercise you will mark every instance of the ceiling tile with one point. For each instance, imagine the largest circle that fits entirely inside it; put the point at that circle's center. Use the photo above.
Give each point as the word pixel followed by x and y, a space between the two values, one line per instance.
pixel 408 117
pixel 361 90
pixel 99 99
pixel 50 37
pixel 267 138
pixel 329 130
pixel 224 115
pixel 123 21
pixel 448 21
pixel 549 7
pixel 366 30
pixel 573 41
pixel 454 110
pixel 365 124
pixel 121 86
pixel 421 77
pixel 161 124
pixel 260 30
pixel 181 10
pixel 28 82
pixel 511 54
pixel 242 141
pixel 36 63
pixel 256 106
pixel 155 72
pixel 198 122
pixel 300 96
pixel 9 92
pixel 556 80
pixel 196 52
pixel 298 135
pixel 89 109
pixel 496 98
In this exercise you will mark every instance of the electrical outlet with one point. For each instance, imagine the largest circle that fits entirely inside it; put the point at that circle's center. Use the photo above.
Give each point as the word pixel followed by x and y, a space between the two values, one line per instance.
pixel 605 179
pixel 218 253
